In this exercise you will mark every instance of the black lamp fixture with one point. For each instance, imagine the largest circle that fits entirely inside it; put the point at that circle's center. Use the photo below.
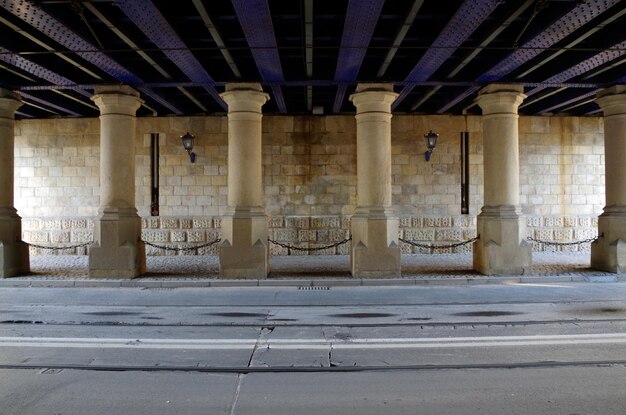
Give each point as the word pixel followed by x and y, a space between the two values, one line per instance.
pixel 431 142
pixel 187 140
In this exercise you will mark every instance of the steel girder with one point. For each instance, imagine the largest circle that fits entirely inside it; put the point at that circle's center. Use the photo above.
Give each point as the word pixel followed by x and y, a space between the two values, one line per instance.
pixel 580 15
pixel 145 15
pixel 48 104
pixel 358 28
pixel 465 21
pixel 615 52
pixel 65 36
pixel 40 72
pixel 256 22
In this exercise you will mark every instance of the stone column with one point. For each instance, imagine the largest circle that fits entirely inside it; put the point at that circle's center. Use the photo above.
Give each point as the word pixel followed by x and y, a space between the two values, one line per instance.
pixel 244 251
pixel 14 259
pixel 502 247
pixel 609 252
pixel 375 251
pixel 117 251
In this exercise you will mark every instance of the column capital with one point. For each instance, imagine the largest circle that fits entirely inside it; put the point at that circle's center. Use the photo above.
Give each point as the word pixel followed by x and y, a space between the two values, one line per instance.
pixel 117 99
pixel 375 97
pixel 244 97
pixel 500 98
pixel 612 100
pixel 9 103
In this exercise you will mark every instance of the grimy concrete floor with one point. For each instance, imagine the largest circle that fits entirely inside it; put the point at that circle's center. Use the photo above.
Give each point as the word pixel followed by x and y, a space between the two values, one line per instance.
pixel 530 348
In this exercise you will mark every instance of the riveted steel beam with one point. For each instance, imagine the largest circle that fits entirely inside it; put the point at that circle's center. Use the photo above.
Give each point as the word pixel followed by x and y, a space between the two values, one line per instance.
pixel 616 51
pixel 37 70
pixel 151 22
pixel 30 97
pixel 465 21
pixel 584 97
pixel 358 28
pixel 581 14
pixel 256 22
pixel 60 33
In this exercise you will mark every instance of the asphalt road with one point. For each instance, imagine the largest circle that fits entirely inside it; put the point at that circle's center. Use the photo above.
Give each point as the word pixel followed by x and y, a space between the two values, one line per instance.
pixel 516 349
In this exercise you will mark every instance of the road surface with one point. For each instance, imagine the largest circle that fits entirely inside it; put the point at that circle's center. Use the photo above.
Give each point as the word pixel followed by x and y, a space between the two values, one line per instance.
pixel 492 349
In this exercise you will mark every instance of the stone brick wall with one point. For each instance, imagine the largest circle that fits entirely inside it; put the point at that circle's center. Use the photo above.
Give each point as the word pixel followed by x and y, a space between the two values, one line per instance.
pixel 309 172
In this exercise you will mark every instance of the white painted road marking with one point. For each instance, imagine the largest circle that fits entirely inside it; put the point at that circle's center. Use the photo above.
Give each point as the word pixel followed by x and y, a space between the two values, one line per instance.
pixel 312 344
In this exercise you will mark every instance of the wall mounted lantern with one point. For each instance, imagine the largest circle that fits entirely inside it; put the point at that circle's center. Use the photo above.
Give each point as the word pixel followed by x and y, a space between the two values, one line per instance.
pixel 431 142
pixel 187 140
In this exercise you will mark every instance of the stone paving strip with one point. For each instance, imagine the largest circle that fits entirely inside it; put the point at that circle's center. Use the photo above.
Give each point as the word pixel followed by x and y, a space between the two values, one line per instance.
pixel 312 343
pixel 308 272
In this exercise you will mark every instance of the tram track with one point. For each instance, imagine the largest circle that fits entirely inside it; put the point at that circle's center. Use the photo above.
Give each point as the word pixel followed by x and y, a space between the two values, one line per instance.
pixel 314 369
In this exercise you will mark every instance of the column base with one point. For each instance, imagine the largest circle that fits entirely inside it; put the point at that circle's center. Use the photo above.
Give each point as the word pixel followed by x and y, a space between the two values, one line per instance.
pixel 244 252
pixel 14 256
pixel 118 251
pixel 375 251
pixel 608 253
pixel 502 248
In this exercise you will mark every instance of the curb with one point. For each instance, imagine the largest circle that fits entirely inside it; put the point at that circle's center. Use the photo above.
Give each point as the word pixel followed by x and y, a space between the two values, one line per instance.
pixel 304 282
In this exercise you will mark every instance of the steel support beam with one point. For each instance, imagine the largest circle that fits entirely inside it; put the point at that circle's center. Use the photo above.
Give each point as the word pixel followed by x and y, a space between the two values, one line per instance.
pixel 571 101
pixel 465 21
pixel 256 22
pixel 614 52
pixel 151 22
pixel 40 72
pixel 358 28
pixel 48 104
pixel 581 14
pixel 60 33
pixel 217 38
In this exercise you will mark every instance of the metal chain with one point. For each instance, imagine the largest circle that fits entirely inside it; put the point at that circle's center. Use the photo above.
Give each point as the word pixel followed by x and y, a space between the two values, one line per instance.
pixel 57 248
pixel 454 245
pixel 318 248
pixel 553 243
pixel 179 249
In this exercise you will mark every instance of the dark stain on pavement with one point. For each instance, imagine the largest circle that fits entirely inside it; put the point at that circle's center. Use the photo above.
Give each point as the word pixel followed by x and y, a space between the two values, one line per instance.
pixel 487 313
pixel 362 315
pixel 606 310
pixel 235 314
pixel 111 313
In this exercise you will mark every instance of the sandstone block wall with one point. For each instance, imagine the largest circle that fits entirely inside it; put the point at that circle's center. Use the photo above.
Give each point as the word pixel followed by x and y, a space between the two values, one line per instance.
pixel 309 178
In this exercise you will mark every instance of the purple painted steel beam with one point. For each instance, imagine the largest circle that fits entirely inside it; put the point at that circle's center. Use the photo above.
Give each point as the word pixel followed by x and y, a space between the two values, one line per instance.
pixel 256 22
pixel 614 52
pixel 65 36
pixel 580 15
pixel 152 23
pixel 571 101
pixel 358 28
pixel 49 104
pixel 465 21
pixel 43 73
pixel 37 70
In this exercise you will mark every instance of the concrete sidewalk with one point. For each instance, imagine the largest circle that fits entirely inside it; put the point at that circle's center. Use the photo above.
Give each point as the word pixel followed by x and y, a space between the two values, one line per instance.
pixel 308 271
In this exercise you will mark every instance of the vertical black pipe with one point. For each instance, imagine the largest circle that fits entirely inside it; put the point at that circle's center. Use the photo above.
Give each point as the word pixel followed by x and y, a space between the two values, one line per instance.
pixel 465 176
pixel 154 174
